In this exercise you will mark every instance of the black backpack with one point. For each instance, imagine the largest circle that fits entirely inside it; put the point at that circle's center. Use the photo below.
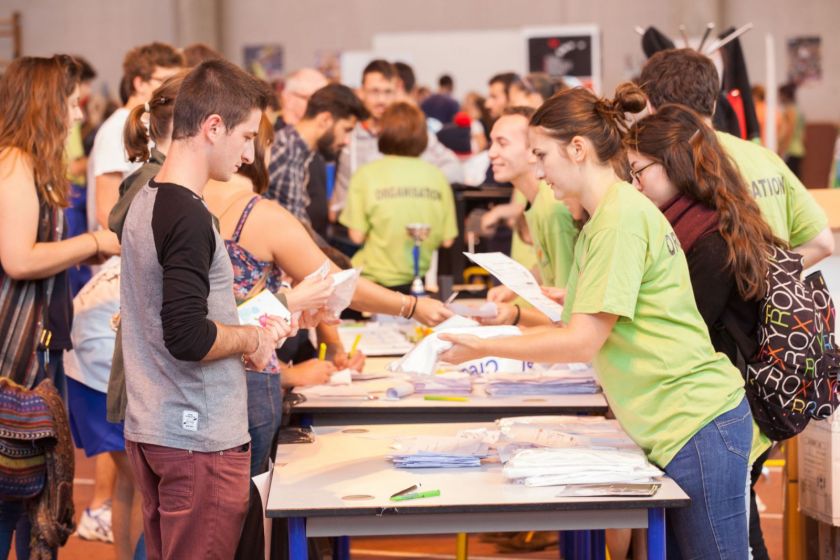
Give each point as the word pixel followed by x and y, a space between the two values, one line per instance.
pixel 793 376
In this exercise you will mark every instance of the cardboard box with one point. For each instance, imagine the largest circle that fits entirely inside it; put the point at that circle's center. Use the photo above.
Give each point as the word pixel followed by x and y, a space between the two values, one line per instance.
pixel 819 471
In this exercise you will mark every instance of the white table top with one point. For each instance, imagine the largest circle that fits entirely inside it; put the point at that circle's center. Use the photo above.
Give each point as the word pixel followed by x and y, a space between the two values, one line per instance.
pixel 359 407
pixel 319 480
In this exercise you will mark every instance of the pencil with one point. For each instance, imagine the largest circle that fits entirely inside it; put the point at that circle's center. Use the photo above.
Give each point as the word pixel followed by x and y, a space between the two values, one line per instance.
pixel 355 344
pixel 322 352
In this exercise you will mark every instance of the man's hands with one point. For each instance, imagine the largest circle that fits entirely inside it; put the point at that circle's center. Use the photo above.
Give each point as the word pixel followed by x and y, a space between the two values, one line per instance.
pixel 267 337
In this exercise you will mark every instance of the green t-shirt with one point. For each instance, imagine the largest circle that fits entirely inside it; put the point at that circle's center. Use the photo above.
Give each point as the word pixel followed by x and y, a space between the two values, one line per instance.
pixel 785 203
pixel 520 251
pixel 383 197
pixel 660 373
pixel 554 233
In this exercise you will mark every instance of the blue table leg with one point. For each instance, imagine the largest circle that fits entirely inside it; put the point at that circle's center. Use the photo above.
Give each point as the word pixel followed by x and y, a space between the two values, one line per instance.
pixel 656 534
pixel 297 539
pixel 599 546
pixel 566 546
pixel 584 547
pixel 342 548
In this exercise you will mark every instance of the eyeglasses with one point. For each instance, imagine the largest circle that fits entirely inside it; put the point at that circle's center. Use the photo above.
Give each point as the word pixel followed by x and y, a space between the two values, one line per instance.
pixel 636 174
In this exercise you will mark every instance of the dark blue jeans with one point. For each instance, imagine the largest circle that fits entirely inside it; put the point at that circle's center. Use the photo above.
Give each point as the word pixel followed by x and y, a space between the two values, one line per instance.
pixel 265 411
pixel 712 468
pixel 13 516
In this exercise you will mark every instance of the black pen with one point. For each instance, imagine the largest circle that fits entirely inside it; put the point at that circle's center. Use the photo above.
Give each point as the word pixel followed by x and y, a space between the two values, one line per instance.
pixel 411 488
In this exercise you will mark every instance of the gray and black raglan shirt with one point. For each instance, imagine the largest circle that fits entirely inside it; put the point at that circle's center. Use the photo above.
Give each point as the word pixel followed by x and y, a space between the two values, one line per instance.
pixel 177 281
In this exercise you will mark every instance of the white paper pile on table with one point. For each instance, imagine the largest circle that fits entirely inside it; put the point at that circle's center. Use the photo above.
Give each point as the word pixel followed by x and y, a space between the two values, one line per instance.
pixel 448 383
pixel 577 379
pixel 423 452
pixel 560 467
pixel 595 432
pixel 378 339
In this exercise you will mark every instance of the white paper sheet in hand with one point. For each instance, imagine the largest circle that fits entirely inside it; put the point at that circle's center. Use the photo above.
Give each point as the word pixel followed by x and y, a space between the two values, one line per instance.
pixel 519 279
pixel 345 286
pixel 423 358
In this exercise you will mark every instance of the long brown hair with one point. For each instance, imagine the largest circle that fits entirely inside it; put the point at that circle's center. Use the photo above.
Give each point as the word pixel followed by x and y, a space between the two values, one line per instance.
pixel 688 150
pixel 161 106
pixel 33 119
pixel 257 172
pixel 579 112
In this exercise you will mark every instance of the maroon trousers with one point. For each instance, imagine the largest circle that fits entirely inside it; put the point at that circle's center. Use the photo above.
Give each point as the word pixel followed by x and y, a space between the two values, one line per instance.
pixel 194 503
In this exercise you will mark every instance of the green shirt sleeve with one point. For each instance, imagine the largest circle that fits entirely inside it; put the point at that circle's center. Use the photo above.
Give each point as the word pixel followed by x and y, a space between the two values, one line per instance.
pixel 806 217
pixel 355 213
pixel 611 273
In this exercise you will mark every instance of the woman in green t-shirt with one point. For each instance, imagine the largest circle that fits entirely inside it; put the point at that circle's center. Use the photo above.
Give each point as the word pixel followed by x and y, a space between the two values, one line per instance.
pixel 629 308
pixel 390 193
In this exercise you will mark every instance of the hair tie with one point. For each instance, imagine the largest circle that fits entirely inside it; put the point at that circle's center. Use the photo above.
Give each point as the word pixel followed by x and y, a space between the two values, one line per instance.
pixel 146 107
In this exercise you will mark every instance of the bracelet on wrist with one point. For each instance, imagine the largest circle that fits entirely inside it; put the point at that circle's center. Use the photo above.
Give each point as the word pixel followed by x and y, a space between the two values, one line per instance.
pixel 518 314
pixel 402 306
pixel 96 242
pixel 413 307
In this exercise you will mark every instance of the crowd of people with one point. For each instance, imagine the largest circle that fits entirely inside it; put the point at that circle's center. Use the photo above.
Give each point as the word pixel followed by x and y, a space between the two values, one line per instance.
pixel 127 242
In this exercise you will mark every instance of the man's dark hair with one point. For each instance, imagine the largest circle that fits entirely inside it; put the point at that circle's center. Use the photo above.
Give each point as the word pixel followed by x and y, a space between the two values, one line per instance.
pixel 338 100
pixel 406 75
pixel 380 66
pixel 88 74
pixel 506 79
pixel 520 110
pixel 141 61
pixel 216 87
pixel 445 82
pixel 681 76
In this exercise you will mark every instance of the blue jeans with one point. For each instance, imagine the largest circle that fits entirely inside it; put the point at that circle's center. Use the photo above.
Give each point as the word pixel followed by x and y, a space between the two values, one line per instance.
pixel 265 411
pixel 13 516
pixel 712 468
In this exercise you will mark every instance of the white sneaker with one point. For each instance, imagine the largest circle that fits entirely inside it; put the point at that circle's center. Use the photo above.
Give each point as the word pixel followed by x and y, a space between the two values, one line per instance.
pixel 95 524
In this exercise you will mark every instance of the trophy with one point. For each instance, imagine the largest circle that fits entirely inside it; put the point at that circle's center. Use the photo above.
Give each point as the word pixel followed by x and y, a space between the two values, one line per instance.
pixel 419 233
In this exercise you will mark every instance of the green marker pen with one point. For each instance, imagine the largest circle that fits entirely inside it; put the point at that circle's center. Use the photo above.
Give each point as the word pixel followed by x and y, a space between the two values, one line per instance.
pixel 416 495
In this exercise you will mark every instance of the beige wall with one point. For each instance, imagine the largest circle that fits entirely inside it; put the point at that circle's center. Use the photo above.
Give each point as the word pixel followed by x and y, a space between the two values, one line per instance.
pixel 99 30
pixel 103 30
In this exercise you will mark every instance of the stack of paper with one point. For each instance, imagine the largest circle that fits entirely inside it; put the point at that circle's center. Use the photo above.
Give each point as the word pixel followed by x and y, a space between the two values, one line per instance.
pixel 420 452
pixel 448 383
pixel 345 286
pixel 378 339
pixel 552 382
pixel 552 467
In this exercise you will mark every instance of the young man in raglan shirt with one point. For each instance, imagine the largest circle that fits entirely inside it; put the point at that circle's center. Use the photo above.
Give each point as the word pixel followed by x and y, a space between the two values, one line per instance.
pixel 186 425
pixel 687 77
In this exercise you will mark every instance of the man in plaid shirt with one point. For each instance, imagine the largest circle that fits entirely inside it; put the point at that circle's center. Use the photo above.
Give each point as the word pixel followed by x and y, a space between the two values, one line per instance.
pixel 331 115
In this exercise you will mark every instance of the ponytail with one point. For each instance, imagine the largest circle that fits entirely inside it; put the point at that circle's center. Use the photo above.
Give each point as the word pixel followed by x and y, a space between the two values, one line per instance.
pixel 579 112
pixel 136 136
pixel 696 164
